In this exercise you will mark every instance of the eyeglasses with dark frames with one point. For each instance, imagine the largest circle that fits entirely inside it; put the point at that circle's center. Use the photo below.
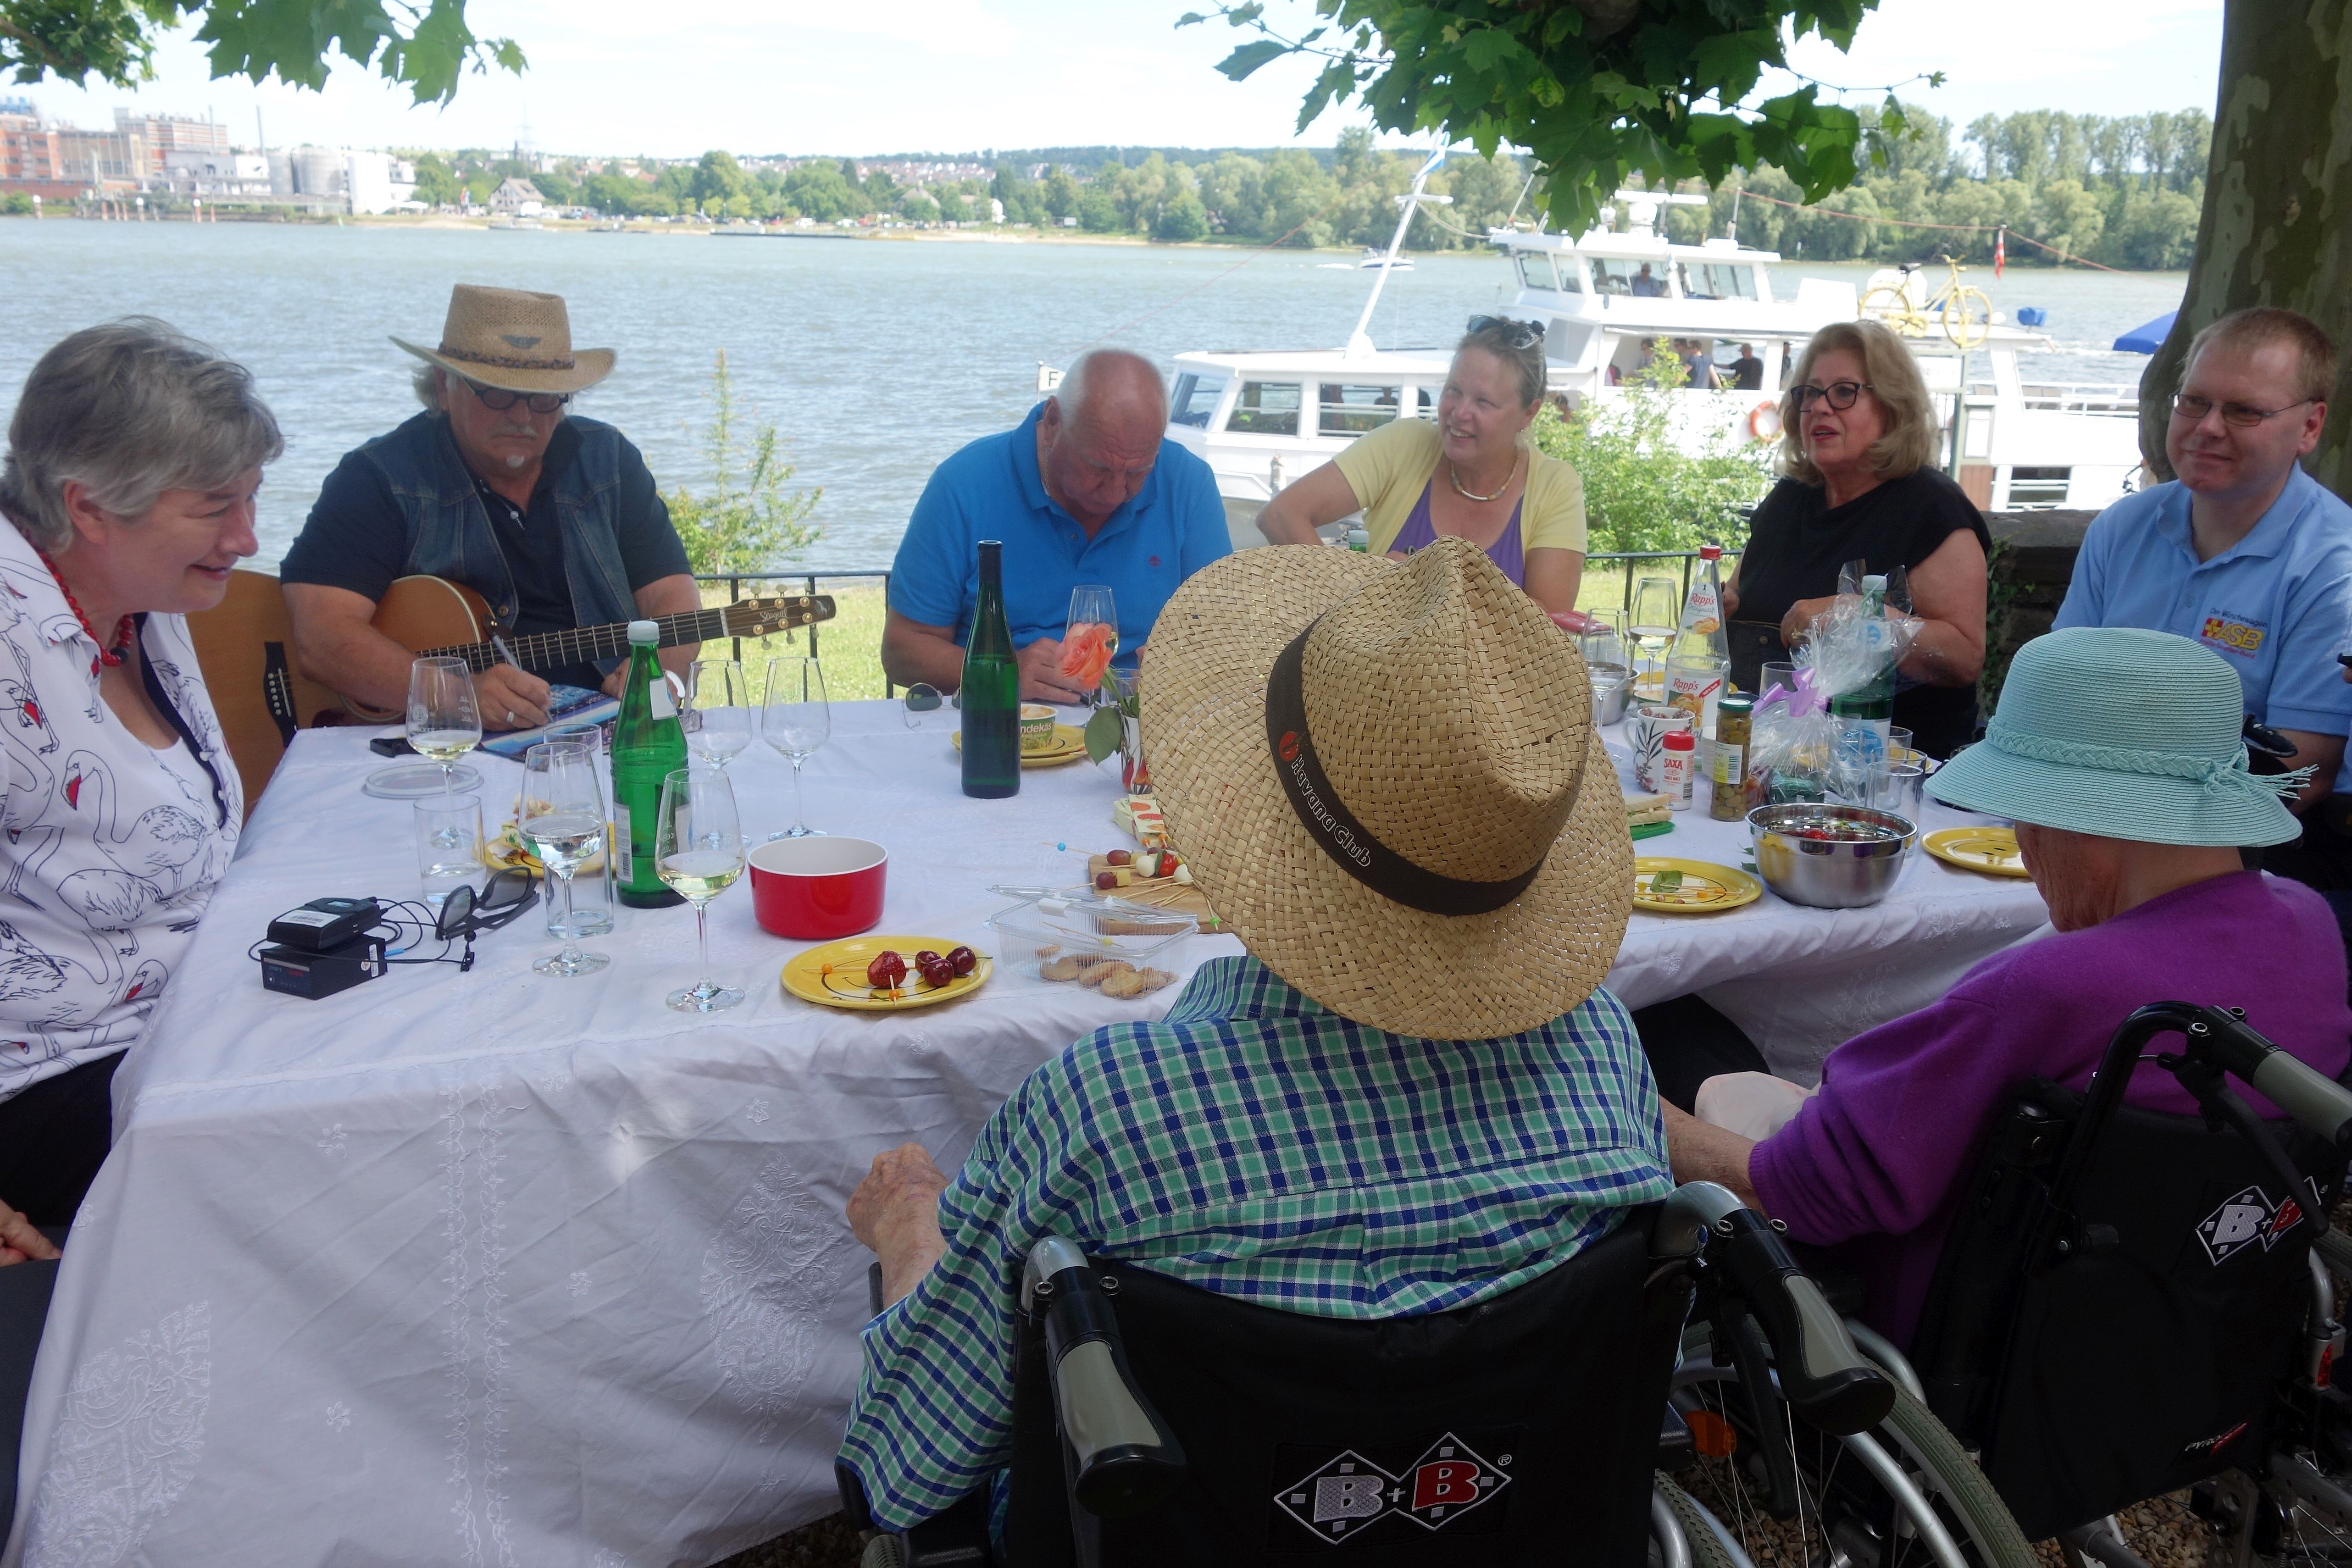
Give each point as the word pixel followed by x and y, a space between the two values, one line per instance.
pixel 1839 396
pixel 1517 333
pixel 498 399
pixel 2245 417
pixel 465 914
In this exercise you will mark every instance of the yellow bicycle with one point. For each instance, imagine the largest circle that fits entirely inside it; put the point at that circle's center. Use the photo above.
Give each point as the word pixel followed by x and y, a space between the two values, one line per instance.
pixel 1964 313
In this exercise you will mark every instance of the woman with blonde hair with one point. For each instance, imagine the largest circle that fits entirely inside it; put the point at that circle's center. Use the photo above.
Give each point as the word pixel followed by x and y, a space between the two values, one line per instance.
pixel 1858 450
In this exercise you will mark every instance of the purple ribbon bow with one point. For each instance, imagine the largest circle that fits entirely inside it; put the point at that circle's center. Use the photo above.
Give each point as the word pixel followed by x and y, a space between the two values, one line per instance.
pixel 1802 700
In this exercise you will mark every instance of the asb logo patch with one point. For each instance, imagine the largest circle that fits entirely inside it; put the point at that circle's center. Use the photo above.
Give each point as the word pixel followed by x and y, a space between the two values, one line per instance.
pixel 2244 1220
pixel 2232 636
pixel 1348 1492
pixel 1287 747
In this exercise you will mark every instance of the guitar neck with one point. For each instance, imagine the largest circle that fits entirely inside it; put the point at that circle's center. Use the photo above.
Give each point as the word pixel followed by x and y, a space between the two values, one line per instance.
pixel 552 650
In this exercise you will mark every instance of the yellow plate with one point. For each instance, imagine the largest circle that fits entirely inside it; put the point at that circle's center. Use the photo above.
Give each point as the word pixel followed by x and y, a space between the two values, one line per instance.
pixel 1069 746
pixel 1992 850
pixel 846 987
pixel 1706 889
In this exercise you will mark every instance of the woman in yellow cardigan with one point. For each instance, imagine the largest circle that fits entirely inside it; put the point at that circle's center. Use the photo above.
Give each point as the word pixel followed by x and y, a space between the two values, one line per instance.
pixel 1472 474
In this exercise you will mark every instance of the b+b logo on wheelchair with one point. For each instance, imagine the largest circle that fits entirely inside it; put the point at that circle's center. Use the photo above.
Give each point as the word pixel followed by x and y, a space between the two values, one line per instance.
pixel 1347 1493
pixel 2244 1220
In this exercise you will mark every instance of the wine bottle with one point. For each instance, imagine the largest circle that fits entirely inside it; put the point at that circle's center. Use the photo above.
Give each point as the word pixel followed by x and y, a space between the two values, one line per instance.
pixel 991 689
pixel 648 746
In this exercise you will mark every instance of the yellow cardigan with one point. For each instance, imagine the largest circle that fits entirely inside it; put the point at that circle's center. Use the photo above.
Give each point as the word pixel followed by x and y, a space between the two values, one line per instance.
pixel 1388 467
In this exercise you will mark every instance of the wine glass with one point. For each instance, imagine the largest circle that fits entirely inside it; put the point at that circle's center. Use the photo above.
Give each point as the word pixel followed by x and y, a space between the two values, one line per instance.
pixel 1656 618
pixel 698 853
pixel 563 818
pixel 719 699
pixel 1090 638
pixel 443 723
pixel 795 720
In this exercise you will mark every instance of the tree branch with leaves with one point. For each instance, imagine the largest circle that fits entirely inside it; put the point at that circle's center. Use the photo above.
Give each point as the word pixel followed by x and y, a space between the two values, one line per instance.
pixel 1597 91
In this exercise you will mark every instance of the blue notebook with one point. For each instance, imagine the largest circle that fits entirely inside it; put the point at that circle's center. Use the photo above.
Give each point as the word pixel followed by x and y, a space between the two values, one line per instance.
pixel 566 706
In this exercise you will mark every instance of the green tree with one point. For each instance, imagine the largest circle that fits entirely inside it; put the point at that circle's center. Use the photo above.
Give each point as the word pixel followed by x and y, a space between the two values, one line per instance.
pixel 16 204
pixel 953 207
pixel 424 48
pixel 1024 203
pixel 1060 194
pixel 1182 219
pixel 718 176
pixel 918 208
pixel 1644 490
pixel 818 191
pixel 1098 211
pixel 436 184
pixel 749 520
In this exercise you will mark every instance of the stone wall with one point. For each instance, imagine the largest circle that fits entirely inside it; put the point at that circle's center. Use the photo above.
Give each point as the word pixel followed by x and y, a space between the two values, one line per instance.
pixel 2032 563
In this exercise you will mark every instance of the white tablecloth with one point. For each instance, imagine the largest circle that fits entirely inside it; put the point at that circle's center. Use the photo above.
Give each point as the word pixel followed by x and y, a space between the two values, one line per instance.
pixel 495 1269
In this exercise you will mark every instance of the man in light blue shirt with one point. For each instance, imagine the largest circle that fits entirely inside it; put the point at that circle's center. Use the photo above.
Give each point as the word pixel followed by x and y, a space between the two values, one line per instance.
pixel 1081 492
pixel 2245 553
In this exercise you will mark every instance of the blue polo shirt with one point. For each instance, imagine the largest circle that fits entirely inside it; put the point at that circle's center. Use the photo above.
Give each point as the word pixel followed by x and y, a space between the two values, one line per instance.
pixel 2274 605
pixel 1166 531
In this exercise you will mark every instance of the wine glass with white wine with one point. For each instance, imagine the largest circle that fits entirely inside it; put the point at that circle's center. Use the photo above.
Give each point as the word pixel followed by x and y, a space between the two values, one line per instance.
pixel 443 723
pixel 698 853
pixel 563 821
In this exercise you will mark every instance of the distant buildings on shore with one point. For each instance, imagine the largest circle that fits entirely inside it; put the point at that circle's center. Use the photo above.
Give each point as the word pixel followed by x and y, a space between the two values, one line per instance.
pixel 174 159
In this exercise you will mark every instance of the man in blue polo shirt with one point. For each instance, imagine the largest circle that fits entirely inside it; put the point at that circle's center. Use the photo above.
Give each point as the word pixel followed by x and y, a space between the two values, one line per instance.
pixel 1082 492
pixel 2245 553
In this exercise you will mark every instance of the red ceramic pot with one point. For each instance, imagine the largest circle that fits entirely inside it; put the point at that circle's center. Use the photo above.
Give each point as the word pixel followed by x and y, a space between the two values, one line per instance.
pixel 818 888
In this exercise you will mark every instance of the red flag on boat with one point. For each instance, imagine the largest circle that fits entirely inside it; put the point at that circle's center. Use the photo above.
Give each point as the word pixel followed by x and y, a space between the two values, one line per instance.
pixel 2000 249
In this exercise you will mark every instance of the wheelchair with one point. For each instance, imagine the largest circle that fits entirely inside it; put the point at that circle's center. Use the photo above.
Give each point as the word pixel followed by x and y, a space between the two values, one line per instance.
pixel 1157 1423
pixel 2128 1304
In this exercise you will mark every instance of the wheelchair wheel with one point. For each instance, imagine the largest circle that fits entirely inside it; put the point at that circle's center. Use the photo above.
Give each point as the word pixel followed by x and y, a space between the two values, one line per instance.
pixel 1702 1537
pixel 1905 1495
pixel 885 1551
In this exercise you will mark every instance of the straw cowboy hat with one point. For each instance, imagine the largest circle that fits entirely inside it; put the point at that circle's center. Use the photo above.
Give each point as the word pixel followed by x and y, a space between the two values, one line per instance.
pixel 2122 734
pixel 1386 779
pixel 514 338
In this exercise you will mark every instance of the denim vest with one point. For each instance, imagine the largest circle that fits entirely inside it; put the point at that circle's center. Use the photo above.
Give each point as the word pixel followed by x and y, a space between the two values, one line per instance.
pixel 449 533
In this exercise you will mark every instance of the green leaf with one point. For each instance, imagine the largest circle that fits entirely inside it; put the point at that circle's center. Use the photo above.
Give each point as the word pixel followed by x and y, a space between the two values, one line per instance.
pixel 1666 882
pixel 1249 56
pixel 1102 734
pixel 1191 20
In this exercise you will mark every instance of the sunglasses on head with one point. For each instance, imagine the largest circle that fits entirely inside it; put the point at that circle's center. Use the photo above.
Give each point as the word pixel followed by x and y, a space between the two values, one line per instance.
pixel 498 400
pixel 502 900
pixel 1515 332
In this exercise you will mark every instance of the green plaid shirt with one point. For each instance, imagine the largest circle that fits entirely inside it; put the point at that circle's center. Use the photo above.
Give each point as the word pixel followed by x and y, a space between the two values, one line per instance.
pixel 1257 1146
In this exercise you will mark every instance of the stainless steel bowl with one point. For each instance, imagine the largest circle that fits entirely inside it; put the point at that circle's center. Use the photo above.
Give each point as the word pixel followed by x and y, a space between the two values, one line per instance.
pixel 1824 874
pixel 1611 684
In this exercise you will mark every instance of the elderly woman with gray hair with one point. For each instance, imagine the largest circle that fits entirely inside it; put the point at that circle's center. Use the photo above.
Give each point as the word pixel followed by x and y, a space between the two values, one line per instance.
pixel 132 460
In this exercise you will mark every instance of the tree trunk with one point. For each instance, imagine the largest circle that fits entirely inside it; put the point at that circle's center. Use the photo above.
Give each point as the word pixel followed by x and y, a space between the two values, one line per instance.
pixel 2277 228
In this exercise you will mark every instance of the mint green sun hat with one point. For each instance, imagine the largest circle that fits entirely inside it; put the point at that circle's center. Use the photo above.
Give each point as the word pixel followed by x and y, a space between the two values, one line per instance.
pixel 2122 734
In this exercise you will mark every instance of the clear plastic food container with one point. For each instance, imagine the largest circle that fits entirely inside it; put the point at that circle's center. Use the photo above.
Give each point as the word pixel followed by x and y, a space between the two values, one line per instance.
pixel 1039 930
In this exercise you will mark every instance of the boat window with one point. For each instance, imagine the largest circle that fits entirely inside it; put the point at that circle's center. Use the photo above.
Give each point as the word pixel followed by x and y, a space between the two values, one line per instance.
pixel 1195 399
pixel 1428 400
pixel 2031 487
pixel 1351 410
pixel 1265 408
pixel 1717 280
pixel 1618 275
pixel 1535 269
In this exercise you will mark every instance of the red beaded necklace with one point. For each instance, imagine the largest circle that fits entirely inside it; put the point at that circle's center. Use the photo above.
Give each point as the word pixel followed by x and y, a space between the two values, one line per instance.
pixel 126 630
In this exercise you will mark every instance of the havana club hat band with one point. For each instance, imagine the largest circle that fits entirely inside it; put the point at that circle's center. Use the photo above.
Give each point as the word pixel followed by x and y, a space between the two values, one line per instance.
pixel 1353 847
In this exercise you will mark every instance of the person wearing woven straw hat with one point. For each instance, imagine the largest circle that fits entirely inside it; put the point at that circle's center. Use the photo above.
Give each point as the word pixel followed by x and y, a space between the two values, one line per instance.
pixel 553 520
pixel 2118 753
pixel 1411 1096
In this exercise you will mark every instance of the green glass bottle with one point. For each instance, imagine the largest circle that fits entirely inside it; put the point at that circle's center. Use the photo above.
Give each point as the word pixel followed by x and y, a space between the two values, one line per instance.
pixel 990 694
pixel 648 746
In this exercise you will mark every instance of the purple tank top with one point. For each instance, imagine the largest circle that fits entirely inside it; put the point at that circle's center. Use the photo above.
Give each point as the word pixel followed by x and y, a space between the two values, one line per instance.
pixel 1420 533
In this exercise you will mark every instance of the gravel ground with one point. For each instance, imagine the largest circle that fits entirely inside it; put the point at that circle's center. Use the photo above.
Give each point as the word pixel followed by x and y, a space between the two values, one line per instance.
pixel 827 1543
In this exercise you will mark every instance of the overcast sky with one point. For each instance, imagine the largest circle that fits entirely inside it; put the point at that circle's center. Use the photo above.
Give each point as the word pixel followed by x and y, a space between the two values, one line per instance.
pixel 796 77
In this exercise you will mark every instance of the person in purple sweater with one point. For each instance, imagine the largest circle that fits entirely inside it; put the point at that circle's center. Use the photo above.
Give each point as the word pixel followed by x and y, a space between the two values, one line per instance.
pixel 2118 753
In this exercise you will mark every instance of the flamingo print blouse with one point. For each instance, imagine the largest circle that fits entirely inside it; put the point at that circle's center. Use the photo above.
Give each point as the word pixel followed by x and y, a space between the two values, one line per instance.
pixel 110 848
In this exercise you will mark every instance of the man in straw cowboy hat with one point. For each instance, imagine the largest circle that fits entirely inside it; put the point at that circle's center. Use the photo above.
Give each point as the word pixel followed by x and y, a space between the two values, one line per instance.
pixel 2118 753
pixel 1410 1096
pixel 554 520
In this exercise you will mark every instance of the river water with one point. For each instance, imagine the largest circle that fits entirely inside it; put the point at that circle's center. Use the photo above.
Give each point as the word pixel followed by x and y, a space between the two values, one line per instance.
pixel 875 358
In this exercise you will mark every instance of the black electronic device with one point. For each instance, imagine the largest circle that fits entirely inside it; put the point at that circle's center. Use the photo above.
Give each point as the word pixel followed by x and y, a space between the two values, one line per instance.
pixel 392 745
pixel 305 972
pixel 325 925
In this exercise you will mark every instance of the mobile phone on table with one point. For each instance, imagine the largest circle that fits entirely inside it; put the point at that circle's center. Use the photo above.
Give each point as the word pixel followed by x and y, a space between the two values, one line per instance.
pixel 392 745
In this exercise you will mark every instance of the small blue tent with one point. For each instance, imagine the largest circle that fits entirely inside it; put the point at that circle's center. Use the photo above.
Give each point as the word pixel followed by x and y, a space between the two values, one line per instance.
pixel 2148 338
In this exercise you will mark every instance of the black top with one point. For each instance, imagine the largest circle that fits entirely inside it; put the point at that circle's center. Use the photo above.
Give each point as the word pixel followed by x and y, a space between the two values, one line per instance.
pixel 1747 373
pixel 357 538
pixel 1796 544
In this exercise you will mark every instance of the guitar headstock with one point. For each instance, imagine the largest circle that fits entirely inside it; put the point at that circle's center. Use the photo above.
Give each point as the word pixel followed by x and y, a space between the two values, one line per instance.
pixel 764 617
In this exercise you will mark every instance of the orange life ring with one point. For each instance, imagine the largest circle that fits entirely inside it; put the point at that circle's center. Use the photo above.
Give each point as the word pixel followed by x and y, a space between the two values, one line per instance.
pixel 1764 420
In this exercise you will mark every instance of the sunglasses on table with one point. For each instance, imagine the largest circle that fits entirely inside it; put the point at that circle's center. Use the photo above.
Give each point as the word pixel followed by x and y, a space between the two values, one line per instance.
pixel 2192 408
pixel 1839 396
pixel 465 914
pixel 498 400
pixel 1517 333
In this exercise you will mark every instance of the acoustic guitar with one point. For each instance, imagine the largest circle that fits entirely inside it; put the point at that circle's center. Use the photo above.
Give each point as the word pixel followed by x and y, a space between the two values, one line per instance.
pixel 245 646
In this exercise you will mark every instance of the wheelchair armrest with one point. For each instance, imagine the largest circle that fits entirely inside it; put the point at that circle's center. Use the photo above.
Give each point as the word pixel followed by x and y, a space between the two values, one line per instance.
pixel 1123 1460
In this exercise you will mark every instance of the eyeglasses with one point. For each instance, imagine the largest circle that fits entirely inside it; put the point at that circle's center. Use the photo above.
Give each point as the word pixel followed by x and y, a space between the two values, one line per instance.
pixel 498 399
pixel 465 914
pixel 1517 333
pixel 1839 396
pixel 2192 408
